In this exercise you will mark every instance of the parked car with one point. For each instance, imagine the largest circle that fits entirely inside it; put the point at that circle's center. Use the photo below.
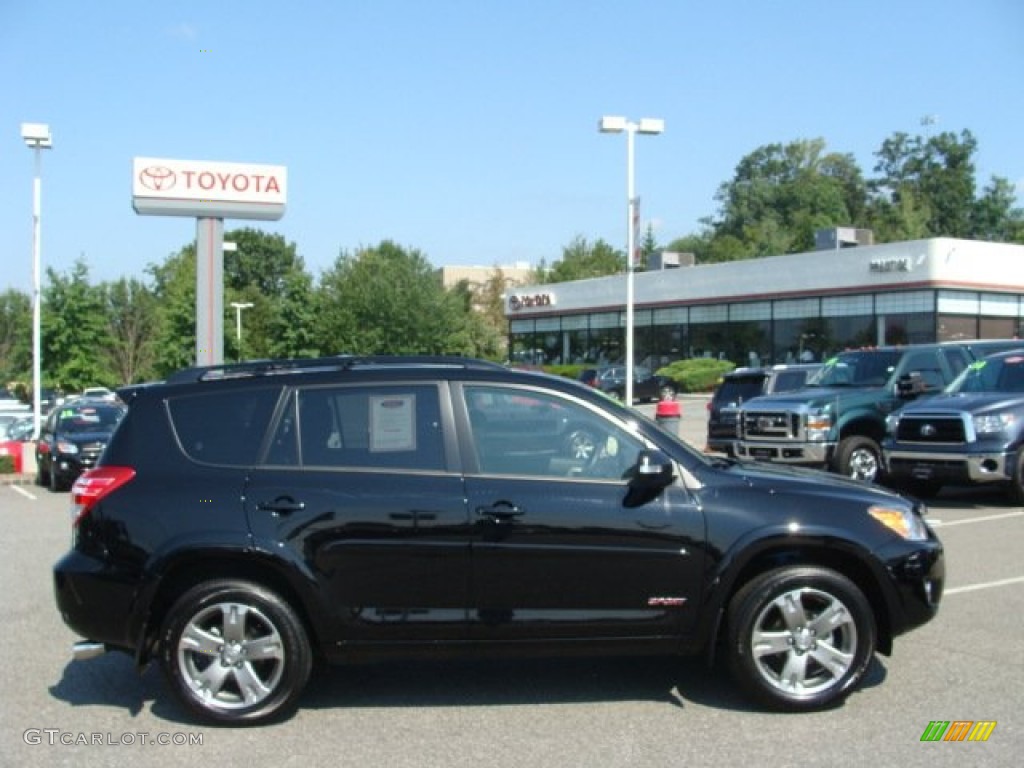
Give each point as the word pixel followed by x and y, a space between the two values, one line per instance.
pixel 647 386
pixel 839 423
pixel 743 384
pixel 16 428
pixel 970 435
pixel 246 519
pixel 72 438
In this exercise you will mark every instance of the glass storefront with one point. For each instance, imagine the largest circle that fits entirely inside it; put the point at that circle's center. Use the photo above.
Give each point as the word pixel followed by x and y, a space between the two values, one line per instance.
pixel 766 332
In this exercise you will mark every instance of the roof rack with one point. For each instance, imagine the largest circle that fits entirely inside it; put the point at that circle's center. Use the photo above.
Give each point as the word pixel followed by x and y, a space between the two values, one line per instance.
pixel 251 368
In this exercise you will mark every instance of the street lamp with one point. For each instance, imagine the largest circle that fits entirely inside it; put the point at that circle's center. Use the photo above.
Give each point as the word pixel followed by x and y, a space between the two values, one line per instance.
pixel 37 137
pixel 650 126
pixel 239 306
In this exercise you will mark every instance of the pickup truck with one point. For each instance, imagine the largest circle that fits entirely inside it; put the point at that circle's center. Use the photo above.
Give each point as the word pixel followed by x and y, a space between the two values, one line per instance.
pixel 840 423
pixel 970 435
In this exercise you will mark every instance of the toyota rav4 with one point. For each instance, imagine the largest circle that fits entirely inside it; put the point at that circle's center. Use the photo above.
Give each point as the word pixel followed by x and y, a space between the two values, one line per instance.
pixel 248 520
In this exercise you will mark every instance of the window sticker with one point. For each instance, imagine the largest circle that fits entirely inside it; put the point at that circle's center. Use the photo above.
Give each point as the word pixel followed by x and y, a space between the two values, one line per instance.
pixel 392 423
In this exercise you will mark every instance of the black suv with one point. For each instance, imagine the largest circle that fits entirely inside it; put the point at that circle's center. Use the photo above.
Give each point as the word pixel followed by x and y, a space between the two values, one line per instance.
pixel 742 384
pixel 248 519
pixel 72 438
pixel 971 434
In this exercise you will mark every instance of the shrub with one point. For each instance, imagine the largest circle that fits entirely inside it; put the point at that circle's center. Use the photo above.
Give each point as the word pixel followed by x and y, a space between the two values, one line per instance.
pixel 698 374
pixel 6 465
pixel 571 371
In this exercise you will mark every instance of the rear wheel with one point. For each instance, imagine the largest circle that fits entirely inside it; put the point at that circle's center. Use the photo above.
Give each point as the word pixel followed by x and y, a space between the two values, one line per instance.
pixel 800 638
pixel 859 457
pixel 235 652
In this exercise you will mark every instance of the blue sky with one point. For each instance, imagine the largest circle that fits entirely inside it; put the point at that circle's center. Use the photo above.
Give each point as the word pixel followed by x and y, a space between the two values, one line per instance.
pixel 467 129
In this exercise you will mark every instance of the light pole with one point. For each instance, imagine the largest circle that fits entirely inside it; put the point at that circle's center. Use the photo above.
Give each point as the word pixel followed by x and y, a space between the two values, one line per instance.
pixel 649 126
pixel 37 137
pixel 239 306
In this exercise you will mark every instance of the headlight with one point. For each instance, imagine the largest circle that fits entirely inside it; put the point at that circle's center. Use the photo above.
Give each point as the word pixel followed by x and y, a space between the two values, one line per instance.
pixel 989 423
pixel 819 424
pixel 903 522
pixel 63 446
pixel 892 423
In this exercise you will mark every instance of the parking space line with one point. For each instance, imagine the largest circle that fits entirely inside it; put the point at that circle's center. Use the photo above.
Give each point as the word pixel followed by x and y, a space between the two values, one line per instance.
pixel 985 519
pixel 23 492
pixel 983 585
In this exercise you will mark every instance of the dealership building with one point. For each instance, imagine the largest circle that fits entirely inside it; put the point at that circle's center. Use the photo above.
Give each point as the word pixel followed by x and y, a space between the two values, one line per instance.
pixel 801 306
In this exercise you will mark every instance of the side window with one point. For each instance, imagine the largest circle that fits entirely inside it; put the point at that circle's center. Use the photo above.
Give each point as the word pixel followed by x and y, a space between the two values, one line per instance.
pixel 223 427
pixel 925 363
pixel 527 433
pixel 363 427
pixel 957 360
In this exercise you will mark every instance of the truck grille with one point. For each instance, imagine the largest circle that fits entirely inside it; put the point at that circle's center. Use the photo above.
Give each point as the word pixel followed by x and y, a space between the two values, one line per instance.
pixel 924 428
pixel 770 425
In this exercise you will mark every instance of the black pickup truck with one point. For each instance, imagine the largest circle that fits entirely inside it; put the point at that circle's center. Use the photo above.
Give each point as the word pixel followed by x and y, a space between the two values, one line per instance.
pixel 971 434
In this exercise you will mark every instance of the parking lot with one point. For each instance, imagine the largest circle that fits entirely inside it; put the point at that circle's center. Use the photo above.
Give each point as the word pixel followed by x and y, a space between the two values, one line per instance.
pixel 966 665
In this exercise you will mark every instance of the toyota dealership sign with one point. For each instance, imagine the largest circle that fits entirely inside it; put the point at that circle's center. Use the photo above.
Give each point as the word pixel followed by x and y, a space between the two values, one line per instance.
pixel 208 190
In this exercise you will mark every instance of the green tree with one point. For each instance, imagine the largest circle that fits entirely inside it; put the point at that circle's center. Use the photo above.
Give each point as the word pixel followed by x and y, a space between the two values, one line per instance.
pixel 174 286
pixel 75 332
pixel 780 195
pixel 995 215
pixel 15 337
pixel 937 173
pixel 581 260
pixel 131 315
pixel 389 300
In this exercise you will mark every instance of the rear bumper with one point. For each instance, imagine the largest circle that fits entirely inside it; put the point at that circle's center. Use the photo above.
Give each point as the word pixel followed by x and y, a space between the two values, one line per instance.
pixel 94 601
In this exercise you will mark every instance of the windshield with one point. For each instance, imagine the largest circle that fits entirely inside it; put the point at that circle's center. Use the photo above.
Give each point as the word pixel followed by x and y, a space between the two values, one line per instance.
pixel 866 368
pixel 1000 374
pixel 100 419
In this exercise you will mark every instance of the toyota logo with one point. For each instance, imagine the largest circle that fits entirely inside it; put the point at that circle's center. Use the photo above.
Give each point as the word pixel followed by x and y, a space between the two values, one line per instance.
pixel 157 178
pixel 928 430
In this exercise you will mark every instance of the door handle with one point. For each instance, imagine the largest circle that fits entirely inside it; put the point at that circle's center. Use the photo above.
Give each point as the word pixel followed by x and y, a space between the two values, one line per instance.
pixel 282 505
pixel 501 510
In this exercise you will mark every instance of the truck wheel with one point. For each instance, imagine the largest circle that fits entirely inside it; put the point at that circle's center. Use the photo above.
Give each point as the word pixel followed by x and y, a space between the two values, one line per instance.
pixel 235 652
pixel 859 457
pixel 1016 489
pixel 800 638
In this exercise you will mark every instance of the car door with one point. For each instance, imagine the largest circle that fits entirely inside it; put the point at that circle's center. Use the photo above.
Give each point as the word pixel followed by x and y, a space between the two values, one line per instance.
pixel 358 487
pixel 562 547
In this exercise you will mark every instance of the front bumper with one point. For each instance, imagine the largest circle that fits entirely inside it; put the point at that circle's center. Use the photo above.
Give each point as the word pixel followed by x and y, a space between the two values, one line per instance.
pixel 814 454
pixel 964 468
pixel 916 574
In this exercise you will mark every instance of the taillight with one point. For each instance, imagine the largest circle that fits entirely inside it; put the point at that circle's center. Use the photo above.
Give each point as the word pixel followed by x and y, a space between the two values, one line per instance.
pixel 92 486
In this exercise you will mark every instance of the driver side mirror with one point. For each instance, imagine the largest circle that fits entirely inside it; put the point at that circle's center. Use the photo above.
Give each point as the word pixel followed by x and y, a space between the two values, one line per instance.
pixel 653 470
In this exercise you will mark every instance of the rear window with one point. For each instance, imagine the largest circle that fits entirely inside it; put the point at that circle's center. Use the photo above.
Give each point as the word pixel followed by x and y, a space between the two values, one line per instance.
pixel 738 390
pixel 787 381
pixel 224 427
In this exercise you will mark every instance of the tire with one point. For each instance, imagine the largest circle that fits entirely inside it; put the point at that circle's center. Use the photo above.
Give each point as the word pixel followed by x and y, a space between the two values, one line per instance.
pixel 859 457
pixel 55 485
pixel 42 478
pixel 800 638
pixel 1015 492
pixel 209 660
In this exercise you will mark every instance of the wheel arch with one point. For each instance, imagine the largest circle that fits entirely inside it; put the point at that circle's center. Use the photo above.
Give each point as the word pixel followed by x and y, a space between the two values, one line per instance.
pixel 820 553
pixel 195 568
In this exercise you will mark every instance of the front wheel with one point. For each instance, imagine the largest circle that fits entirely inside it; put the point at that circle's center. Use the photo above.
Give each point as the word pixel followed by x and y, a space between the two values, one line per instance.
pixel 800 638
pixel 859 457
pixel 1016 488
pixel 235 652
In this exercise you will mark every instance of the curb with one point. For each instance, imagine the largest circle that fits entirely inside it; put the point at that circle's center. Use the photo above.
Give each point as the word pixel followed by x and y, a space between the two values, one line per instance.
pixel 20 478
